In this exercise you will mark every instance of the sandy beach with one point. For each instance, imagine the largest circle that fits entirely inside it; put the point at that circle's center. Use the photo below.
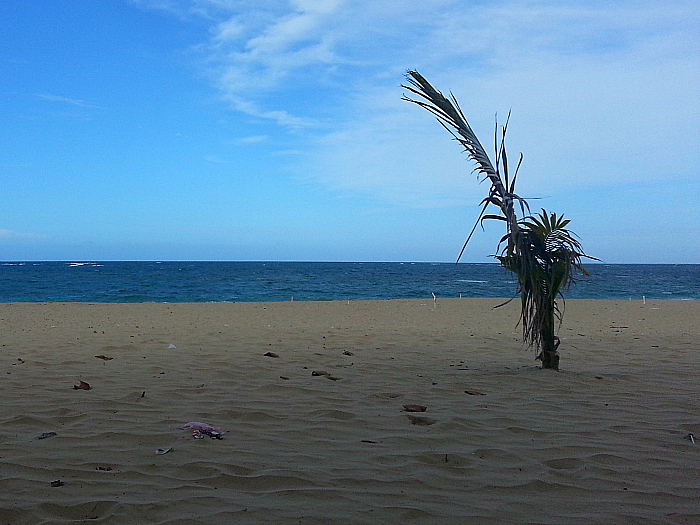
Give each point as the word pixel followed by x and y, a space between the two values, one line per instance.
pixel 612 438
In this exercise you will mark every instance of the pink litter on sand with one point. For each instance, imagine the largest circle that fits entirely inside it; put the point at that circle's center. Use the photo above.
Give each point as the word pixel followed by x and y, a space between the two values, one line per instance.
pixel 203 429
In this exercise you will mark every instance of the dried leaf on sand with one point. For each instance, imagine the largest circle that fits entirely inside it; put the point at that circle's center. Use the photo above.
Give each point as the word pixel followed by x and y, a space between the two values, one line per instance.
pixel 82 386
pixel 415 408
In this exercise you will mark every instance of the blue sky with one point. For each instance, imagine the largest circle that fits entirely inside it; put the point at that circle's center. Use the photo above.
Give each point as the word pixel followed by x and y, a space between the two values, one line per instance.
pixel 275 130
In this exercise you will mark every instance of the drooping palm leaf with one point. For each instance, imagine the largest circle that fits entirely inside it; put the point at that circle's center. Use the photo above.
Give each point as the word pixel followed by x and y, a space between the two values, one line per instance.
pixel 453 120
pixel 450 115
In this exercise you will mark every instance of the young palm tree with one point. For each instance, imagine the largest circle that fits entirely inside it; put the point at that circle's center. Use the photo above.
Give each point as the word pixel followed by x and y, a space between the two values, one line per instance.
pixel 540 251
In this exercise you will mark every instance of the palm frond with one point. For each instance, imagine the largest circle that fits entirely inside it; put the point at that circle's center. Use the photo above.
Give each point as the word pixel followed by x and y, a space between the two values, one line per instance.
pixel 451 117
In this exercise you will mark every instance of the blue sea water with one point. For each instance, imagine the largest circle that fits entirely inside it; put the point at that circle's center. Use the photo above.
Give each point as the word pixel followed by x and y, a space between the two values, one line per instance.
pixel 126 282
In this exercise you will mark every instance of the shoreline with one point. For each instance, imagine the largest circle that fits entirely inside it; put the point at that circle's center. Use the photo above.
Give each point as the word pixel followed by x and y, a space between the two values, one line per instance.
pixel 612 427
pixel 500 300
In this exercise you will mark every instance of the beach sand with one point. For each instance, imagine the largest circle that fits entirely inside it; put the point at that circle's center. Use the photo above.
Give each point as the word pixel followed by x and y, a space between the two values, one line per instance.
pixel 605 440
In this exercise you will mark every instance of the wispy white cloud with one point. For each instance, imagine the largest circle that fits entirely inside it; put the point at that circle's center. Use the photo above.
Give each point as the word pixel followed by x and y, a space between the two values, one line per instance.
pixel 253 139
pixel 597 95
pixel 214 159
pixel 10 235
pixel 289 153
pixel 66 100
pixel 598 90
pixel 183 9
pixel 279 116
pixel 253 53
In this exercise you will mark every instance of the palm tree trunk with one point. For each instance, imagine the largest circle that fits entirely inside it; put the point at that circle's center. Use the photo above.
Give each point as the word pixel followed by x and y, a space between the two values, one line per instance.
pixel 549 341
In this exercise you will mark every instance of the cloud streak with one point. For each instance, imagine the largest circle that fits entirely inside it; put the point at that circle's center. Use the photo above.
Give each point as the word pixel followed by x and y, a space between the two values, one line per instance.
pixel 253 139
pixel 10 235
pixel 66 100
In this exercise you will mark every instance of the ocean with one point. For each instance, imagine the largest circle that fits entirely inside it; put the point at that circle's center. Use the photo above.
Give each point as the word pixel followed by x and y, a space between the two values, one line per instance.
pixel 167 281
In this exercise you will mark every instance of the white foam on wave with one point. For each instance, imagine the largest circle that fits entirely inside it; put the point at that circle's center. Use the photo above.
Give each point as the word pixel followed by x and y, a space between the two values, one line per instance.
pixel 78 264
